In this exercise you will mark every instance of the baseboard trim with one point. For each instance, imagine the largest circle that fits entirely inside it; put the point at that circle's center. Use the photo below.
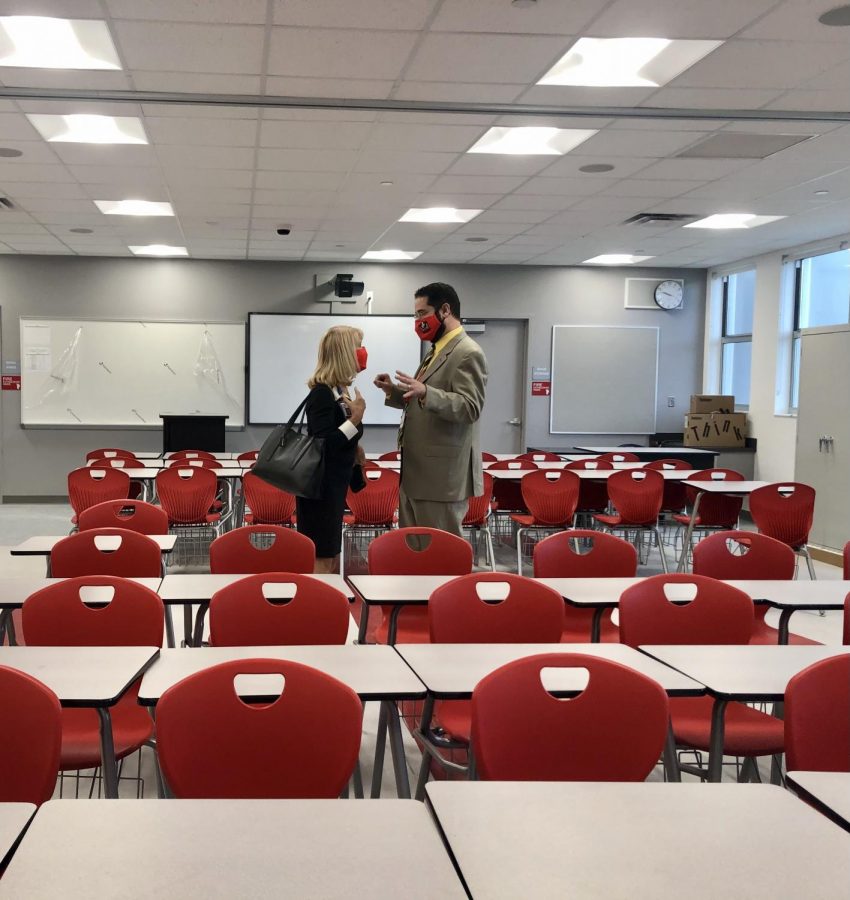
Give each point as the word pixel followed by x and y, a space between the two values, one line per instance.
pixel 39 498
pixel 825 555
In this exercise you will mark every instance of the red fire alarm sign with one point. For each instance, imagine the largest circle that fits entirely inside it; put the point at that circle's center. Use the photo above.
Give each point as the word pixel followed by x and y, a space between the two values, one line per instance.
pixel 10 382
pixel 540 388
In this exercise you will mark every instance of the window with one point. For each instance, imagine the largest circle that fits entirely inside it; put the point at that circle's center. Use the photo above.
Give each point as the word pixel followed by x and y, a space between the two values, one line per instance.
pixel 821 297
pixel 739 294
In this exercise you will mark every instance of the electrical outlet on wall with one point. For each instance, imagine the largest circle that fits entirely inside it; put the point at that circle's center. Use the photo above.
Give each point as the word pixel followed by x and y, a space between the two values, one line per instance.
pixel 671 402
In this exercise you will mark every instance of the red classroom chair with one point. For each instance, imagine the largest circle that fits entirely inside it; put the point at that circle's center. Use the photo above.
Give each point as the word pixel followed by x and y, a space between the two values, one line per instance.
pixel 373 509
pixel 507 494
pixel 846 634
pixel 551 498
pixel 636 494
pixel 585 554
pixel 817 717
pixel 89 486
pixel 234 553
pixel 592 495
pixel 675 495
pixel 618 456
pixel 539 456
pixel 65 615
pixel 109 453
pixel 477 520
pixel 122 462
pixel 520 732
pixel 488 457
pixel 303 744
pixel 785 511
pixel 106 551
pixel 248 456
pixel 187 495
pixel 745 556
pixel 717 512
pixel 415 551
pixel 202 462
pixel 717 614
pixel 391 456
pixel 252 612
pixel 191 454
pixel 131 515
pixel 32 738
pixel 269 505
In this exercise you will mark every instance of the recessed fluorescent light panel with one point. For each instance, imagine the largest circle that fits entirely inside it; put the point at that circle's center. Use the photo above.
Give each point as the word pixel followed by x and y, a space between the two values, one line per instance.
pixel 626 62
pixel 392 255
pixel 47 43
pixel 440 214
pixel 531 141
pixel 616 259
pixel 133 208
pixel 158 250
pixel 89 129
pixel 733 220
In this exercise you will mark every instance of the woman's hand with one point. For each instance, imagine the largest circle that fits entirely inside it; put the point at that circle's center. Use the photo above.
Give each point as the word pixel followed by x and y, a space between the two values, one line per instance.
pixel 357 407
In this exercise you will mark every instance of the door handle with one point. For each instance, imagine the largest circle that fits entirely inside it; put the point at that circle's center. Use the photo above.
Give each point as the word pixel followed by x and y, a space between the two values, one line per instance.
pixel 820 444
pixel 515 422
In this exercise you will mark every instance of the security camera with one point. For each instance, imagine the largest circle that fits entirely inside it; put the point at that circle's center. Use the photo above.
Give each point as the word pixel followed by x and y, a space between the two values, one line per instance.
pixel 284 230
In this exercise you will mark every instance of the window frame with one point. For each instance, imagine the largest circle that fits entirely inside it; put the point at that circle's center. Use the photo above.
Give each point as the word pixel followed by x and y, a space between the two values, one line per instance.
pixel 745 338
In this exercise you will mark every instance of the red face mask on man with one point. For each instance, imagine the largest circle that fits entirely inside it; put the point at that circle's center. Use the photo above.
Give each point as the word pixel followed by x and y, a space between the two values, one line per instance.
pixel 362 357
pixel 429 328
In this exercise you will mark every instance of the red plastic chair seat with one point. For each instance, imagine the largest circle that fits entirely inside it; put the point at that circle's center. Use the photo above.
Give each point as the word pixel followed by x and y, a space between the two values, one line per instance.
pixel 611 521
pixel 455 718
pixel 748 732
pixel 131 727
pixel 578 626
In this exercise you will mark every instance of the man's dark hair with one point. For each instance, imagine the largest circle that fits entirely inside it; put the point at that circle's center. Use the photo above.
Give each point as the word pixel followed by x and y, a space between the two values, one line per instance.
pixel 437 293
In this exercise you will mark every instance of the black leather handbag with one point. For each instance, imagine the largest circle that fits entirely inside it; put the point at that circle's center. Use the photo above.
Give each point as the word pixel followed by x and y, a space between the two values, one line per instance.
pixel 291 459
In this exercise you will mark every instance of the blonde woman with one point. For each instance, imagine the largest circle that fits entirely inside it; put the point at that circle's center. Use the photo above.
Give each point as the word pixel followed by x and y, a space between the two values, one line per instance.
pixel 334 415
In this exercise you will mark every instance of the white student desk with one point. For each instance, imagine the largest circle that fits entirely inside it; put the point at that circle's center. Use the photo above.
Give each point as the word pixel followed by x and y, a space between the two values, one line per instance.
pixel 597 474
pixel 167 464
pixel 13 821
pixel 600 594
pixel 225 849
pixel 451 672
pixel 187 590
pixel 42 545
pixel 609 841
pixel 731 488
pixel 13 592
pixel 827 791
pixel 373 673
pixel 749 673
pixel 649 452
pixel 90 677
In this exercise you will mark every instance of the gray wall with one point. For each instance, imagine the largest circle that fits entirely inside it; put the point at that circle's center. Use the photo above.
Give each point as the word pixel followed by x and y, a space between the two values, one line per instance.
pixel 35 462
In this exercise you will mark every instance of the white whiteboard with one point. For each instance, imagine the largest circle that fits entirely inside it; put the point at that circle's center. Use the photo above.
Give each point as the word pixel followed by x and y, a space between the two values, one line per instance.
pixel 97 373
pixel 604 380
pixel 282 356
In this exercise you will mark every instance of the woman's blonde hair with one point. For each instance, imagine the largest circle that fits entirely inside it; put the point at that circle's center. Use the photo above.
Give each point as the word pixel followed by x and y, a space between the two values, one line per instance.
pixel 337 362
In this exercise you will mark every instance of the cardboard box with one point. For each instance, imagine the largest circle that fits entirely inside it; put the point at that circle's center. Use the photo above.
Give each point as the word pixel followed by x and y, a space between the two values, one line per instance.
pixel 713 430
pixel 709 403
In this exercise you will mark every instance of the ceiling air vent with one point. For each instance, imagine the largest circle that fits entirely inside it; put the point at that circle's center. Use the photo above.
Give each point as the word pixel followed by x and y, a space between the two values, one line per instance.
pixel 6 203
pixel 659 219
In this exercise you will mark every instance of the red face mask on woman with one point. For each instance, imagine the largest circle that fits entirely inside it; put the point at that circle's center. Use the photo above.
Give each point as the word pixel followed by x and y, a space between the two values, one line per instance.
pixel 428 327
pixel 362 357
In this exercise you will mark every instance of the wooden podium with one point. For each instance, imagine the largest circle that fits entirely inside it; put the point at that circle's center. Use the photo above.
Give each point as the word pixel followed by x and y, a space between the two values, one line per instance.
pixel 192 432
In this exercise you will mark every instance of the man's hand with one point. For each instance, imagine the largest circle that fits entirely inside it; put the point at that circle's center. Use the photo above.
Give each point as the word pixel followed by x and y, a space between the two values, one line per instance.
pixel 384 382
pixel 414 389
pixel 361 455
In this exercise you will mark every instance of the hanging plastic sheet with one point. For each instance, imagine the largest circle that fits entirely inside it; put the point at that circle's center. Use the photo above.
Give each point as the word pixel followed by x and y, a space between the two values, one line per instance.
pixel 208 367
pixel 62 379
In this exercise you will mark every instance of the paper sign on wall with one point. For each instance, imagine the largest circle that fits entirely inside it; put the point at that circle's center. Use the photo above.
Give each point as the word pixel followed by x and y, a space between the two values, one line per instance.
pixel 10 382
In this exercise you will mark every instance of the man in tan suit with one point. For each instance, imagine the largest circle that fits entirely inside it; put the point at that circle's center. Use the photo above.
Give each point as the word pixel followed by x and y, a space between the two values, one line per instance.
pixel 438 437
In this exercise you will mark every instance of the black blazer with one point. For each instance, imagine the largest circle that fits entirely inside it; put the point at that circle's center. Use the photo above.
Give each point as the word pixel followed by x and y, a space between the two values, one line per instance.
pixel 324 416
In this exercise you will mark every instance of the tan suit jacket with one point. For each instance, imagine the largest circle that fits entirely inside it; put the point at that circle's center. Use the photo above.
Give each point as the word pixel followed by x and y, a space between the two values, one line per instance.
pixel 441 448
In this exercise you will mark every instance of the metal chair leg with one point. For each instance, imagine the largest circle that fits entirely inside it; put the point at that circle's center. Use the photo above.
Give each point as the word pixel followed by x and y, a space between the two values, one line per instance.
pixel 810 563
pixel 661 552
pixel 519 534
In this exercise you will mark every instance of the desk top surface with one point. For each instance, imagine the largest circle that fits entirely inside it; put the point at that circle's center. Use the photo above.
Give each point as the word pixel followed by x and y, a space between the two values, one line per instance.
pixel 830 789
pixel 13 820
pixel 743 672
pixel 374 672
pixel 202 586
pixel 453 670
pixel 13 591
pixel 721 486
pixel 82 676
pixel 43 544
pixel 599 474
pixel 655 451
pixel 222 849
pixel 622 841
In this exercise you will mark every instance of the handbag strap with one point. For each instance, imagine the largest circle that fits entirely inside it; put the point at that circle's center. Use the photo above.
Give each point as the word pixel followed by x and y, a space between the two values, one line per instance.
pixel 302 408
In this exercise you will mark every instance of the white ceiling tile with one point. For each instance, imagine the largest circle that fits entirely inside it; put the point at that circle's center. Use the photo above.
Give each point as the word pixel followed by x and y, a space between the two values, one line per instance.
pixel 13 190
pixel 694 169
pixel 402 183
pixel 798 18
pixel 567 187
pixel 516 217
pixel 15 172
pixel 834 79
pixel 34 152
pixel 656 143
pixel 762 64
pixel 499 164
pixel 456 199
pixel 326 160
pixel 62 78
pixel 337 53
pixel 215 132
pixel 211 177
pixel 223 12
pixel 126 155
pixel 196 83
pixel 552 17
pixel 61 107
pixel 499 58
pixel 73 9
pixel 264 196
pixel 569 166
pixel 349 88
pixel 223 195
pixel 174 47
pixel 184 157
pixel 141 178
pixel 653 189
pixel 811 101
pixel 16 127
pixel 559 95
pixel 440 138
pixel 389 162
pixel 711 98
pixel 534 202
pixel 457 92
pixel 678 18
pixel 304 114
pixel 645 123
pixel 300 135
pixel 477 184
pixel 308 181
pixel 355 14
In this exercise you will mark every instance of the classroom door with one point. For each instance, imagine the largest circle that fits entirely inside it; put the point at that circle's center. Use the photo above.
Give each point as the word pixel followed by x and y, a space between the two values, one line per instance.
pixel 502 423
